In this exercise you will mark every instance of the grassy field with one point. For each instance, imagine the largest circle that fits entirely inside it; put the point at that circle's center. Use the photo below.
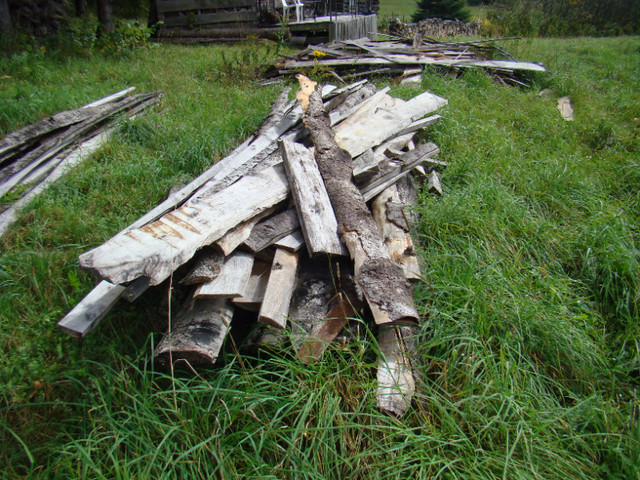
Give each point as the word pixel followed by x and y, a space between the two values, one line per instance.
pixel 530 347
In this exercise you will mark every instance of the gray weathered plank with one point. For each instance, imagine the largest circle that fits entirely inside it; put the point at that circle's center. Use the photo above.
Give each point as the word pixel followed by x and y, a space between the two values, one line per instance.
pixel 253 294
pixel 272 229
pixel 277 296
pixel 319 224
pixel 232 279
pixel 157 249
pixel 292 242
pixel 87 314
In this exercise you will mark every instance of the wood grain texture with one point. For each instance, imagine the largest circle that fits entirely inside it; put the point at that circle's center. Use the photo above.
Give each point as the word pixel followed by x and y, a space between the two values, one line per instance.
pixel 277 296
pixel 157 249
pixel 232 279
pixel 206 266
pixel 292 242
pixel 253 294
pixel 197 333
pixel 238 235
pixel 319 224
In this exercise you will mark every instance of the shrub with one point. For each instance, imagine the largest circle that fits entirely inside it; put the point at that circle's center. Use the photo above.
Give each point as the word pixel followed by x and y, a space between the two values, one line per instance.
pixel 446 9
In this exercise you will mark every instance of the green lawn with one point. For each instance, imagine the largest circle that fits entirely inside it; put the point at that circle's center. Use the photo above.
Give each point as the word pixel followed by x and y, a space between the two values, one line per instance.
pixel 529 350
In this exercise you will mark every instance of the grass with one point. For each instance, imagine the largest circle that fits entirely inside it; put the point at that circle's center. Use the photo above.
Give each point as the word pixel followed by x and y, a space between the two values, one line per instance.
pixel 529 350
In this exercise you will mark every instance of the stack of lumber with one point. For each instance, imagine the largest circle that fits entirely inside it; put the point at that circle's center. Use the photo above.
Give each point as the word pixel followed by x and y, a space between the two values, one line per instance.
pixel 34 156
pixel 305 225
pixel 364 57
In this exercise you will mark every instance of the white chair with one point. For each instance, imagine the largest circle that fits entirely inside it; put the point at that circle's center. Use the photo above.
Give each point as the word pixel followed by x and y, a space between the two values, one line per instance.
pixel 289 4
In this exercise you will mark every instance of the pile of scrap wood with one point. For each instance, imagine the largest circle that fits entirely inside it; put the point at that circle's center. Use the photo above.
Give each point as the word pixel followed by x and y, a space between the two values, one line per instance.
pixel 364 57
pixel 34 156
pixel 282 228
pixel 434 27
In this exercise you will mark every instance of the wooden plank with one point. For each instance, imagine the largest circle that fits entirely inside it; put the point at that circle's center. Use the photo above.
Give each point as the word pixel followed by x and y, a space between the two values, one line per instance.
pixel 110 98
pixel 396 384
pixel 157 249
pixel 197 333
pixel 565 108
pixel 277 296
pixel 210 19
pixel 433 183
pixel 420 124
pixel 373 128
pixel 237 236
pixel 168 6
pixel 232 279
pixel 272 229
pixel 381 280
pixel 135 289
pixel 319 224
pixel 253 294
pixel 87 314
pixel 292 242
pixel 416 60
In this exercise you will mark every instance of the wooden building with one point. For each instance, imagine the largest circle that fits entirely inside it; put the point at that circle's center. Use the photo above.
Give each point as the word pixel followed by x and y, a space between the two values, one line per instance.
pixel 309 20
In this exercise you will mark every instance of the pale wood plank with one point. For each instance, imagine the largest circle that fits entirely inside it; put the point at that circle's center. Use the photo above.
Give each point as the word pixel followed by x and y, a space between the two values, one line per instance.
pixel 237 236
pixel 253 294
pixel 293 242
pixel 87 314
pixel 157 249
pixel 319 224
pixel 110 98
pixel 277 296
pixel 232 279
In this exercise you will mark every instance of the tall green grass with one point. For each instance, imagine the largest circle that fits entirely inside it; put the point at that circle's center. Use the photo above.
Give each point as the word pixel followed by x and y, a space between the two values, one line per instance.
pixel 528 354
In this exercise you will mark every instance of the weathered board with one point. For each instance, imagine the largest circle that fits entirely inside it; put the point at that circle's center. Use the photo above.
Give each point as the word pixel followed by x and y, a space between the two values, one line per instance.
pixel 277 296
pixel 157 249
pixel 396 384
pixel 319 224
pixel 272 229
pixel 232 279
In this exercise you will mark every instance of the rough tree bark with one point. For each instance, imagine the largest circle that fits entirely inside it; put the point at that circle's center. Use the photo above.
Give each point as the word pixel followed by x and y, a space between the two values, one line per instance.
pixel 105 17
pixel 6 26
pixel 81 8
pixel 381 280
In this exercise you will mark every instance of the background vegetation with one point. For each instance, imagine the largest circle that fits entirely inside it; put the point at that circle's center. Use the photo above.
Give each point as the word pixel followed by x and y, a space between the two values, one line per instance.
pixel 529 355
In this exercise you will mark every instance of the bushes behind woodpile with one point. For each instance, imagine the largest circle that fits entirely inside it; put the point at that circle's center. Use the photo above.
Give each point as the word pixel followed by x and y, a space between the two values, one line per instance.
pixel 435 27
pixel 564 18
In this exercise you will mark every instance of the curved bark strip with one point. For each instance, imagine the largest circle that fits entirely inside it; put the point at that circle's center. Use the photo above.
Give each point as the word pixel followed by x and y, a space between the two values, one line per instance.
pixel 381 280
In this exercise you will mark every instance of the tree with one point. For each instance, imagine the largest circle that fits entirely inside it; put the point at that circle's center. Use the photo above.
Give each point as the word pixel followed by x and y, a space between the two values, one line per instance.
pixel 445 9
pixel 105 17
pixel 5 19
pixel 81 8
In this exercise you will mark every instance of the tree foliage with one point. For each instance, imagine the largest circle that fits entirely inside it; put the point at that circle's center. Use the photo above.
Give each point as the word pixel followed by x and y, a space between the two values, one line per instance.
pixel 562 17
pixel 445 9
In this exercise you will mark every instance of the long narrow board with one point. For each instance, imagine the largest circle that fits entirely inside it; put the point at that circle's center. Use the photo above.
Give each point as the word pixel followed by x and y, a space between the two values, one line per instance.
pixel 319 224
pixel 396 384
pixel 277 296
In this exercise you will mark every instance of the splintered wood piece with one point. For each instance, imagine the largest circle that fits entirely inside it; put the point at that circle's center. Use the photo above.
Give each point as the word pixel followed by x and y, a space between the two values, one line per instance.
pixel 237 236
pixel 395 231
pixel 87 314
pixel 253 294
pixel 325 331
pixel 319 224
pixel 269 231
pixel 278 110
pixel 565 108
pixel 206 267
pixel 434 185
pixel 157 249
pixel 232 279
pixel 365 166
pixel 292 242
pixel 135 289
pixel 110 98
pixel 420 124
pixel 380 279
pixel 277 296
pixel 396 384
pixel 197 333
